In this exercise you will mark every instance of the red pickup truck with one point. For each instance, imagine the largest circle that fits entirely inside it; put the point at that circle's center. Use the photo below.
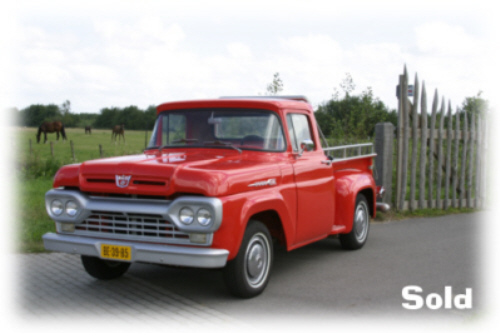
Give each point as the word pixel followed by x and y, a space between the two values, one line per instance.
pixel 219 183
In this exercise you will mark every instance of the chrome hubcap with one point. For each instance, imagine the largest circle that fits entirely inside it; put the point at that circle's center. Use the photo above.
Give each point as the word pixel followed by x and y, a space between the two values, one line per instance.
pixel 361 221
pixel 257 260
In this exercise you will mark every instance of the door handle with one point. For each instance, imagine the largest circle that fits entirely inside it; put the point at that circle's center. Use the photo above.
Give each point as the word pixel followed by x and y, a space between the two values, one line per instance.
pixel 327 162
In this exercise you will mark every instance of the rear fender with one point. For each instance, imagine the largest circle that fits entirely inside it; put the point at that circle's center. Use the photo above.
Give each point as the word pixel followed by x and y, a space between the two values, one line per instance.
pixel 348 186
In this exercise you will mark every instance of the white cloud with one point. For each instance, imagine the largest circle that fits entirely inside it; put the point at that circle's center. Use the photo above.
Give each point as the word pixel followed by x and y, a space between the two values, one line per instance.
pixel 442 39
pixel 239 50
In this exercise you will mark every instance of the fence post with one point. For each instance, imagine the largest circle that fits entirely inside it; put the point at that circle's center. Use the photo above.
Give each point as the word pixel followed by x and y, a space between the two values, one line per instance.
pixel 52 148
pixel 423 147
pixel 72 149
pixel 414 145
pixel 100 150
pixel 384 137
pixel 31 148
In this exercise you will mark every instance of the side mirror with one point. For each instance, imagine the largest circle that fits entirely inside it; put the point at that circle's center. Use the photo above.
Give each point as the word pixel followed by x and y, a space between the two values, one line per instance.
pixel 306 145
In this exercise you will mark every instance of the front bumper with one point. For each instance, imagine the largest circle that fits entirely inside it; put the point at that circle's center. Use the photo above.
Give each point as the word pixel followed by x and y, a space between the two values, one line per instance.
pixel 141 252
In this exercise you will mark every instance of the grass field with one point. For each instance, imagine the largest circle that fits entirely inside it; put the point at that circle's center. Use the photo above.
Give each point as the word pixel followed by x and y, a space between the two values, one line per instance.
pixel 86 146
pixel 35 172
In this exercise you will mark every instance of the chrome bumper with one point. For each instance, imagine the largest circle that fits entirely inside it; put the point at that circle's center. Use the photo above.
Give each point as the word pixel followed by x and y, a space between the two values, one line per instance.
pixel 149 253
pixel 383 207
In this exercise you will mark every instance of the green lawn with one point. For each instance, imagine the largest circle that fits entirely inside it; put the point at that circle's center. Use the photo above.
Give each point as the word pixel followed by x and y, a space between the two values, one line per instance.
pixel 86 146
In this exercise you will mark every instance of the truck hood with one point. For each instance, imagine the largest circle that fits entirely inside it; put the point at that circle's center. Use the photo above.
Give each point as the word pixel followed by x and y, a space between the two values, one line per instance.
pixel 205 173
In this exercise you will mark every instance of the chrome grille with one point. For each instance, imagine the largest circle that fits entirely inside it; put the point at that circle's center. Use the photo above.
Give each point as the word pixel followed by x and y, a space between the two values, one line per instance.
pixel 122 226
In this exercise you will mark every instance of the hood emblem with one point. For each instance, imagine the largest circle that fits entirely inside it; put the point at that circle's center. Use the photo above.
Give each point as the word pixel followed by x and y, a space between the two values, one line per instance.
pixel 122 181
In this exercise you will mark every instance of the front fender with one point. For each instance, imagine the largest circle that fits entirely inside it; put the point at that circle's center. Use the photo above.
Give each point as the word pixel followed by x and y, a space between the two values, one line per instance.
pixel 238 210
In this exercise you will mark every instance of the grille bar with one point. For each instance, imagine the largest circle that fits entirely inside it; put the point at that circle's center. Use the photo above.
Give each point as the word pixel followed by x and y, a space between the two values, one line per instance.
pixel 122 226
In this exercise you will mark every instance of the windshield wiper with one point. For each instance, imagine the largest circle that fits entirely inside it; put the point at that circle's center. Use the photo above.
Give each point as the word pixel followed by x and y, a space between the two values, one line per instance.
pixel 176 141
pixel 184 140
pixel 221 143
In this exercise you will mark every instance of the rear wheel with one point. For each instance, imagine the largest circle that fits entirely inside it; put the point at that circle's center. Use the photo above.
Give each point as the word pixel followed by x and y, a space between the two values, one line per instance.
pixel 247 275
pixel 104 269
pixel 360 226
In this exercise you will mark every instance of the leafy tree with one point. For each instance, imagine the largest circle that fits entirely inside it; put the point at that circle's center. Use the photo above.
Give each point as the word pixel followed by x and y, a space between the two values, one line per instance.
pixel 353 117
pixel 131 116
pixel 475 105
pixel 34 115
pixel 276 86
pixel 86 119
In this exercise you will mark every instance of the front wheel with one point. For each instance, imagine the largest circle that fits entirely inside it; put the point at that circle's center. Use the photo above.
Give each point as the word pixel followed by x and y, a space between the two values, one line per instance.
pixel 360 226
pixel 104 269
pixel 247 275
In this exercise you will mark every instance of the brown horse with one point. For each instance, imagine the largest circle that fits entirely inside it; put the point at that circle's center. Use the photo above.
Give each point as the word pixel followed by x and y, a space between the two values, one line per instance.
pixel 118 130
pixel 50 127
pixel 88 129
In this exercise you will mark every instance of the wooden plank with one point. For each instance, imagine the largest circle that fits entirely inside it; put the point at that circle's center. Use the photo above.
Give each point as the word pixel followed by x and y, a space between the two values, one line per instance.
pixel 440 157
pixel 448 158
pixel 478 163
pixel 484 157
pixel 463 165
pixel 399 135
pixel 423 147
pixel 406 115
pixel 472 138
pixel 414 143
pixel 454 166
pixel 432 144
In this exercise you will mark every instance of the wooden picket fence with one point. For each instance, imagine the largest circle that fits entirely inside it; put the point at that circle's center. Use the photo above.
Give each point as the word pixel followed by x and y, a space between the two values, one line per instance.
pixel 441 164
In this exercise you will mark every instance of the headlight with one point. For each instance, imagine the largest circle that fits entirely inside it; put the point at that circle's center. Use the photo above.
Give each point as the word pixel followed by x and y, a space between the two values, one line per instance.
pixel 186 215
pixel 204 217
pixel 56 207
pixel 71 208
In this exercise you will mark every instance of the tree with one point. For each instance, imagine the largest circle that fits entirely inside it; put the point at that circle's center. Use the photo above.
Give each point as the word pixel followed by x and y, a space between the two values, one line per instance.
pixel 276 86
pixel 65 107
pixel 34 115
pixel 353 117
pixel 475 105
pixel 131 116
pixel 347 84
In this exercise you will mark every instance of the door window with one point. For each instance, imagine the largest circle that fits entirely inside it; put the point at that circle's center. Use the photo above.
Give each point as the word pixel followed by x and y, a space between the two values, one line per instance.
pixel 298 129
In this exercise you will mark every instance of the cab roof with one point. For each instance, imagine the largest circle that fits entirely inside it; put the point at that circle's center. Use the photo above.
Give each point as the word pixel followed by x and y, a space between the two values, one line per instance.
pixel 247 102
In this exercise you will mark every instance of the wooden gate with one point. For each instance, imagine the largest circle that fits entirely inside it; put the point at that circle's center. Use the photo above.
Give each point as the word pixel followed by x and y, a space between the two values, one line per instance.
pixel 441 156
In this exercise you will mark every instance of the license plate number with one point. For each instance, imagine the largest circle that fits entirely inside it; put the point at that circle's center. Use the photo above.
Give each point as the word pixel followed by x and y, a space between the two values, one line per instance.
pixel 116 252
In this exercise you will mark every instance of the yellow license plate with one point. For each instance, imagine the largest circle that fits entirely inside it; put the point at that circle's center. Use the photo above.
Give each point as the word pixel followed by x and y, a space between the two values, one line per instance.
pixel 116 252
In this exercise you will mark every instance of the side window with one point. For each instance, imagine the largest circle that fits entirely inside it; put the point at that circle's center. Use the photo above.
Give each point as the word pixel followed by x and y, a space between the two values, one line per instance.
pixel 298 129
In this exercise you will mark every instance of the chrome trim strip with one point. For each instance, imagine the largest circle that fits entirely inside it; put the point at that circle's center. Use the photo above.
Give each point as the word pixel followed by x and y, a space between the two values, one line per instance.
pixel 335 160
pixel 269 182
pixel 348 146
pixel 148 253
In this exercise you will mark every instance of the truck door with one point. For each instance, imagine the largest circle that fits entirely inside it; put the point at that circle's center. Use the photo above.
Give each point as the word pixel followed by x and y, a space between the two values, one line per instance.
pixel 314 183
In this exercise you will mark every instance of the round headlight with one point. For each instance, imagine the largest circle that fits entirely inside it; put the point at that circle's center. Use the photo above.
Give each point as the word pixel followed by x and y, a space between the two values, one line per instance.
pixel 56 207
pixel 71 208
pixel 204 217
pixel 186 215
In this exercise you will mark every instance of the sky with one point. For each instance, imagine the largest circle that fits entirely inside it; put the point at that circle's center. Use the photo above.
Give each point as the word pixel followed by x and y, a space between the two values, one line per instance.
pixel 121 53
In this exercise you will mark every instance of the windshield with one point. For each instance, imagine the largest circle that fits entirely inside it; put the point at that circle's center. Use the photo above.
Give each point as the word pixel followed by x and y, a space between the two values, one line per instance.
pixel 231 128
